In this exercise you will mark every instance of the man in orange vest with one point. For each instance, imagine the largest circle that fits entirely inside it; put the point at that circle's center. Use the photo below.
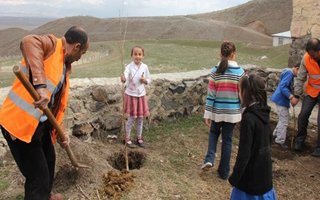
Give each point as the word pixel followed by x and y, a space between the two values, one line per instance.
pixel 47 63
pixel 308 76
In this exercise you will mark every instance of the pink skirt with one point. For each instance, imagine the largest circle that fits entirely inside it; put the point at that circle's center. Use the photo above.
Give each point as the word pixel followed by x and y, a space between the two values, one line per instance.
pixel 136 106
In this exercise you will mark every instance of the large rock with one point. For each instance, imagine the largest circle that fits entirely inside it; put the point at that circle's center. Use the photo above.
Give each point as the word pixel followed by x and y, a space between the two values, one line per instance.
pixel 305 18
pixel 257 25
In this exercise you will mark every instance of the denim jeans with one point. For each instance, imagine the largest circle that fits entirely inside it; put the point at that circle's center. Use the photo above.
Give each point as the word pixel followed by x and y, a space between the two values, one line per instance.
pixel 308 103
pixel 227 130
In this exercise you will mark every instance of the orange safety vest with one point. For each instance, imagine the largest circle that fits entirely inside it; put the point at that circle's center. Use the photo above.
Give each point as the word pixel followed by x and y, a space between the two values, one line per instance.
pixel 18 115
pixel 313 83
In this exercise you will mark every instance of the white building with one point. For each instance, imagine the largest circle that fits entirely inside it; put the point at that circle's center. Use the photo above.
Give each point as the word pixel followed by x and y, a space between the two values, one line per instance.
pixel 281 38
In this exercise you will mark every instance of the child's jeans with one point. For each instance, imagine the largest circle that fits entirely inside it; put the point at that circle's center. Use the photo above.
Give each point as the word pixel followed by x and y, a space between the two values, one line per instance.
pixel 227 131
pixel 281 129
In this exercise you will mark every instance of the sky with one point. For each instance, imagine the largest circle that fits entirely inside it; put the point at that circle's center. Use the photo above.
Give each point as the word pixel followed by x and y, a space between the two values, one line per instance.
pixel 111 8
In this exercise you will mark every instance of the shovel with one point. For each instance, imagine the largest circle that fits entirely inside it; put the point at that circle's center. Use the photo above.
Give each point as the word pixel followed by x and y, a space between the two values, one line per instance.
pixel 25 82
pixel 294 127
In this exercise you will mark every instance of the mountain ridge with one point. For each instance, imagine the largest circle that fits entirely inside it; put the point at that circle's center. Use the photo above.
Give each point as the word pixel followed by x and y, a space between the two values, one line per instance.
pixel 254 26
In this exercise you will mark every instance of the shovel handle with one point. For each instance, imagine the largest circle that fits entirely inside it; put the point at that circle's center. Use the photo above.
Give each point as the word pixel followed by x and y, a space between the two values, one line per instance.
pixel 294 127
pixel 26 83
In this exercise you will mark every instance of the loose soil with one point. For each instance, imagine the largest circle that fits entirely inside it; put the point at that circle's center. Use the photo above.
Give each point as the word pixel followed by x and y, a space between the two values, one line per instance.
pixel 168 168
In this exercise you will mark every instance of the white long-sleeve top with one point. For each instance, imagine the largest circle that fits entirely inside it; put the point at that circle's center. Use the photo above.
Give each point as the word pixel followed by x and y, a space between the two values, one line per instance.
pixel 133 75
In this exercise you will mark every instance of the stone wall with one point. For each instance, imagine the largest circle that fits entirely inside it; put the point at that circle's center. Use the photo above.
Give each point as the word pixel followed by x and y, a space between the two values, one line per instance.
pixel 96 111
pixel 304 25
pixel 297 50
pixel 305 18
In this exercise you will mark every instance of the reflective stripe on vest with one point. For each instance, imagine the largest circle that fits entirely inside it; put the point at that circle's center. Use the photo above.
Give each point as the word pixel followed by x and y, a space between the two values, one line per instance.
pixel 25 71
pixel 24 105
pixel 18 115
pixel 21 103
pixel 314 76
pixel 315 86
pixel 313 69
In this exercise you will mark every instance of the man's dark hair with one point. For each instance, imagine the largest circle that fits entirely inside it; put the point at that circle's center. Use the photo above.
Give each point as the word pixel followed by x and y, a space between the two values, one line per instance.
pixel 76 34
pixel 313 44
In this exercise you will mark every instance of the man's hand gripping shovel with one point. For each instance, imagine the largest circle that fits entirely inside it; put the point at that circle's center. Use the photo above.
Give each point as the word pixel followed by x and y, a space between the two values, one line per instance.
pixel 17 71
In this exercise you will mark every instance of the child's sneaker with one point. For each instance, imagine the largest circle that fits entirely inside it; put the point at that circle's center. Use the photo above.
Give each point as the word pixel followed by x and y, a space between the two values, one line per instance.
pixel 56 196
pixel 316 152
pixel 283 146
pixel 223 177
pixel 206 166
pixel 140 142
pixel 130 144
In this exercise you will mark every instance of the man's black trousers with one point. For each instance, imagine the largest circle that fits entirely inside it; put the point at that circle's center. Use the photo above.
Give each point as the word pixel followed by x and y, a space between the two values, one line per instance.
pixel 36 161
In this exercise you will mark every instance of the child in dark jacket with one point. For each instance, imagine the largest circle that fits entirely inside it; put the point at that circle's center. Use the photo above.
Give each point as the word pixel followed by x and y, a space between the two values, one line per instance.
pixel 252 174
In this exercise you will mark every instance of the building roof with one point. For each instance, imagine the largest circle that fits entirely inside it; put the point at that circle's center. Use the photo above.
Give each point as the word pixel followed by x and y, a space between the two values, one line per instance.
pixel 282 34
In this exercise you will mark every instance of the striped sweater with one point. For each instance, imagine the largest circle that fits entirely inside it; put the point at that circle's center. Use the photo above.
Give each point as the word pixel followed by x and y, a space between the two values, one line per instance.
pixel 223 103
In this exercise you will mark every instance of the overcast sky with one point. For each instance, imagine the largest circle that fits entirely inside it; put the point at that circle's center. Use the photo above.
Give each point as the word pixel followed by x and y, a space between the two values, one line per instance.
pixel 111 8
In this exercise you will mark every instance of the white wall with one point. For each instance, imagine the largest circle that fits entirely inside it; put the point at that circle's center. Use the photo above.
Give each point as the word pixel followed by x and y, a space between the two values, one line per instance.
pixel 278 41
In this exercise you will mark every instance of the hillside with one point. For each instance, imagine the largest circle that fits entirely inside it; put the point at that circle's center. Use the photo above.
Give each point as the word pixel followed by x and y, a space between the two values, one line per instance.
pixel 232 24
pixel 176 27
pixel 274 15
pixel 9 40
pixel 27 23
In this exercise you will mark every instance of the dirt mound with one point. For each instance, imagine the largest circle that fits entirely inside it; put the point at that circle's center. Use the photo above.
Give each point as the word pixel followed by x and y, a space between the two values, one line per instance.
pixel 102 177
pixel 86 180
pixel 115 183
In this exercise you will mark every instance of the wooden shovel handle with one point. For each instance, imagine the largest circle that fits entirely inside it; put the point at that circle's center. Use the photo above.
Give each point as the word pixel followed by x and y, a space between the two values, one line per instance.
pixel 25 82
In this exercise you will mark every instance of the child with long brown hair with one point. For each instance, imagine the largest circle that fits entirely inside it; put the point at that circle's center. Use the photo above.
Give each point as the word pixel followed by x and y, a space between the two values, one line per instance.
pixel 223 109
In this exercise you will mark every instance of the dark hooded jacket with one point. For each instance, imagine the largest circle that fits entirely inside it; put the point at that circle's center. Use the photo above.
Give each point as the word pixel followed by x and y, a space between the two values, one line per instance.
pixel 252 172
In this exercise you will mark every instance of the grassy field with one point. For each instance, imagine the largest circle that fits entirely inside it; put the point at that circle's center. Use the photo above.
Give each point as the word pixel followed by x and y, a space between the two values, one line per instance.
pixel 104 58
pixel 175 149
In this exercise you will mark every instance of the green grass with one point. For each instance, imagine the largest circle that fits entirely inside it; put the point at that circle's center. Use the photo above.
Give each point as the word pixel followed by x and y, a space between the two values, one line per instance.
pixel 176 149
pixel 104 58
pixel 4 184
pixel 6 74
pixel 173 157
pixel 20 197
pixel 181 124
pixel 177 135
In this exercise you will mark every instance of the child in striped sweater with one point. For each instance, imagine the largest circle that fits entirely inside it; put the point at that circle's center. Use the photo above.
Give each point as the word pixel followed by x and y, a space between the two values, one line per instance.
pixel 223 108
